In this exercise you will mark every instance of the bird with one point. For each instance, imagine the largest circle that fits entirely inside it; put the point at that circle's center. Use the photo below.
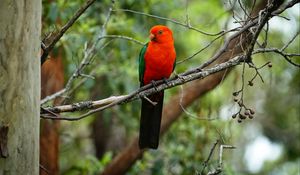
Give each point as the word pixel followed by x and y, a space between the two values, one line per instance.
pixel 157 60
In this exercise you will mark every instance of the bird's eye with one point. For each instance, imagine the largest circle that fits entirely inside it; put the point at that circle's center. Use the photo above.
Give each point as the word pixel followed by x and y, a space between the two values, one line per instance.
pixel 160 32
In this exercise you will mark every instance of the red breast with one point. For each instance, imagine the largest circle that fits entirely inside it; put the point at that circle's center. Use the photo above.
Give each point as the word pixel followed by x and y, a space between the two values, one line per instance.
pixel 160 55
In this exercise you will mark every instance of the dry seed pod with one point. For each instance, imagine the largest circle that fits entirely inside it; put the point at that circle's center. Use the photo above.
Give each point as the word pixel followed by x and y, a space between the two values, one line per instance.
pixel 270 65
pixel 252 112
pixel 247 112
pixel 234 116
pixel 250 83
pixel 235 94
pixel 241 116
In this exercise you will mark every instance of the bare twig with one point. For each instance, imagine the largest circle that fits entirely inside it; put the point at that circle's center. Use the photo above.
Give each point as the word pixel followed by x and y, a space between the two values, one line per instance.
pixel 44 169
pixel 209 156
pixel 285 6
pixel 123 37
pixel 291 40
pixel 187 24
pixel 88 55
pixel 257 72
pixel 286 56
pixel 222 147
pixel 219 168
pixel 205 47
pixel 47 48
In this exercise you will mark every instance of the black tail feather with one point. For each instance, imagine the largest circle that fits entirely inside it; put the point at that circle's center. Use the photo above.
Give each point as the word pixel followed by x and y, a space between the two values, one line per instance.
pixel 150 121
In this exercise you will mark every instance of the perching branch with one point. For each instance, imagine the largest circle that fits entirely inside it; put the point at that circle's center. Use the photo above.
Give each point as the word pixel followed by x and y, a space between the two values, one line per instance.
pixel 140 93
pixel 47 46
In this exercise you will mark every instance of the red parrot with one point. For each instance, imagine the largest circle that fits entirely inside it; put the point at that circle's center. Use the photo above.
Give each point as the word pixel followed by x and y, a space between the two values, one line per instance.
pixel 156 62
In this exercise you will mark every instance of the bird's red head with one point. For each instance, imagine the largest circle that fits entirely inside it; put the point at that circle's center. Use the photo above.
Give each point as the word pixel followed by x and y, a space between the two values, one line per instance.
pixel 161 34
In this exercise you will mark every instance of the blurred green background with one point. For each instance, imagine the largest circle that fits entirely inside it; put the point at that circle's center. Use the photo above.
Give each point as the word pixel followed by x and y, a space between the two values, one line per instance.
pixel 268 144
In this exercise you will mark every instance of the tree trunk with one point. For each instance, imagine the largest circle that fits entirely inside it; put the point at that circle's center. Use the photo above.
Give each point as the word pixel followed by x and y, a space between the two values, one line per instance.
pixel 20 27
pixel 52 78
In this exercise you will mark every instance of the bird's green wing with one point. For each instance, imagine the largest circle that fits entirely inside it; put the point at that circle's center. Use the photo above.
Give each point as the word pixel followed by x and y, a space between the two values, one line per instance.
pixel 142 63
pixel 174 65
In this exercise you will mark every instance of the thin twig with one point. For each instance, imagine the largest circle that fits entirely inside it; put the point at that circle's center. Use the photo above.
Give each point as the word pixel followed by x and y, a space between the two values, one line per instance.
pixel 123 37
pixel 221 153
pixel 286 56
pixel 187 25
pixel 88 56
pixel 48 48
pixel 291 40
pixel 209 156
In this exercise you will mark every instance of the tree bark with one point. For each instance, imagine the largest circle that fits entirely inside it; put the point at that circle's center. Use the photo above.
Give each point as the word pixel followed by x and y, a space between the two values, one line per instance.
pixel 20 28
pixel 52 78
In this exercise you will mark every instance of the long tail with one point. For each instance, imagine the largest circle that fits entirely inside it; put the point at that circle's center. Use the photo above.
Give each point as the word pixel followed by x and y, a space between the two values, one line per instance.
pixel 150 121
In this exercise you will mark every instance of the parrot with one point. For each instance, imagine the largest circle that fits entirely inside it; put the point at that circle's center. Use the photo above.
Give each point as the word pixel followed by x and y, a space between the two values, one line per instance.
pixel 157 60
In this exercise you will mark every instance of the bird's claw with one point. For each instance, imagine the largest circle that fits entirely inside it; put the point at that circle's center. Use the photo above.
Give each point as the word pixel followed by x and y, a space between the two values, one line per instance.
pixel 165 80
pixel 154 85
pixel 179 76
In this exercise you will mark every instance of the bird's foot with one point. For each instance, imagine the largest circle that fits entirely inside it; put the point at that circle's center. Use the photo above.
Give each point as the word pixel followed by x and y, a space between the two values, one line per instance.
pixel 165 80
pixel 154 84
pixel 179 76
pixel 150 101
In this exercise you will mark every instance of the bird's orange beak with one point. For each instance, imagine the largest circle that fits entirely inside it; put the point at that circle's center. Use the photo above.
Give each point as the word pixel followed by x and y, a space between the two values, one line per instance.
pixel 152 37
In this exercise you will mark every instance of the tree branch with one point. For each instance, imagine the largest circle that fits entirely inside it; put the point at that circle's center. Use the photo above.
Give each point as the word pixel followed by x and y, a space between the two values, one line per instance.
pixel 187 25
pixel 88 55
pixel 141 92
pixel 53 40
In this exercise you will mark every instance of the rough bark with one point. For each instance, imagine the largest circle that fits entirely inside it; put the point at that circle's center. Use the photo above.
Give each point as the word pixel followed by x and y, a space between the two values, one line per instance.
pixel 20 27
pixel 172 111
